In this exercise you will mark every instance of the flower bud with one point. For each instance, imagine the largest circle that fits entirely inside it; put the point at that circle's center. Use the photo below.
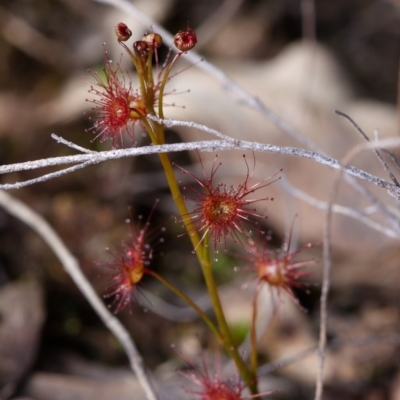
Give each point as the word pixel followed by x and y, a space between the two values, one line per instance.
pixel 122 32
pixel 141 47
pixel 185 40
pixel 153 40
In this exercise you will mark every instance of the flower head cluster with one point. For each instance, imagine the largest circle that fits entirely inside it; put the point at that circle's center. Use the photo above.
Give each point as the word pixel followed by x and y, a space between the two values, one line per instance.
pixel 212 385
pixel 129 265
pixel 118 105
pixel 279 268
pixel 222 210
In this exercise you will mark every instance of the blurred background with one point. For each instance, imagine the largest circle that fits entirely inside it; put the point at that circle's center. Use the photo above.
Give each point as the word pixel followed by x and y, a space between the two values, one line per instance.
pixel 303 59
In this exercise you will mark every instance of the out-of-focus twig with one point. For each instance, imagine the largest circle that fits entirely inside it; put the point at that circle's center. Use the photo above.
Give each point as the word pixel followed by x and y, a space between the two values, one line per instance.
pixel 308 20
pixel 334 344
pixel 169 123
pixel 339 209
pixel 327 259
pixel 398 98
pixel 32 42
pixel 216 21
pixel 362 133
pixel 25 214
pixel 70 144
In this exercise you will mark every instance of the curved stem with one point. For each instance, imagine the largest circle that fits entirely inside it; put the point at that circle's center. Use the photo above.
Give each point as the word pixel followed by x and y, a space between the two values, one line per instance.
pixel 139 68
pixel 190 302
pixel 163 84
pixel 150 131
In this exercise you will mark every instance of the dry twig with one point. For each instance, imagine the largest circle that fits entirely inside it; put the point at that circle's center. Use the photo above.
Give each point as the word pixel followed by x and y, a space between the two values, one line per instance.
pixel 327 259
pixel 25 214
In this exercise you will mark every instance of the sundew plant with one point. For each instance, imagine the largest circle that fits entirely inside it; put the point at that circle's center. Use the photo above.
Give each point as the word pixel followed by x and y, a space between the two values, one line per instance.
pixel 221 212
pixel 214 215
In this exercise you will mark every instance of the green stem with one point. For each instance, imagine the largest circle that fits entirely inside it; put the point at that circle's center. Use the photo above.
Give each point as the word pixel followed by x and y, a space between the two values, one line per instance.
pixel 139 69
pixel 203 256
pixel 150 83
pixel 175 190
pixel 150 130
pixel 190 302
pixel 163 84
pixel 150 67
pixel 229 343
pixel 180 203
pixel 253 336
pixel 156 132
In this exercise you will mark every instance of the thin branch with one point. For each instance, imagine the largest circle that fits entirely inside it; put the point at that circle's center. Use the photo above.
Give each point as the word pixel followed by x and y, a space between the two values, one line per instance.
pixel 25 214
pixel 339 209
pixel 215 23
pixel 169 123
pixel 398 93
pixel 334 344
pixel 389 153
pixel 308 20
pixel 362 133
pixel 179 313
pixel 25 37
pixel 327 258
pixel 391 214
pixel 211 145
pixel 46 177
pixel 362 190
pixel 365 193
pixel 284 361
pixel 59 139
pixel 172 312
